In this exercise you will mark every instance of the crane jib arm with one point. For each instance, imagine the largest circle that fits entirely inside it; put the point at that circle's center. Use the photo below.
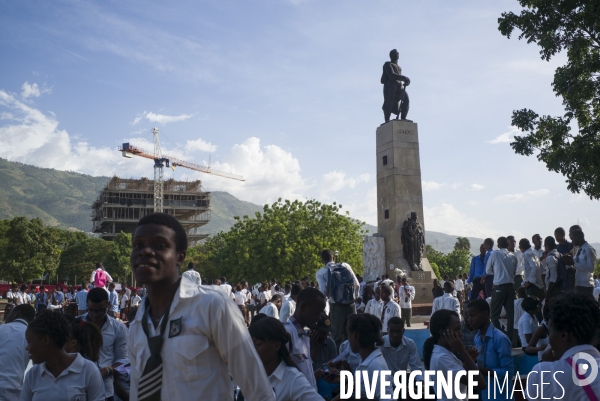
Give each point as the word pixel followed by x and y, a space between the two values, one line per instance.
pixel 129 150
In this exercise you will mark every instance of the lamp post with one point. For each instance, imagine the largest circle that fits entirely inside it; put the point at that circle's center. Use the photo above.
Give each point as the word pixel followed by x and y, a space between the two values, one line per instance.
pixel 337 254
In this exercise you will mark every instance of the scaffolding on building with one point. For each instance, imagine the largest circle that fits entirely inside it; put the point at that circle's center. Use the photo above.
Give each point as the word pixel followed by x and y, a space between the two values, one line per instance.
pixel 123 202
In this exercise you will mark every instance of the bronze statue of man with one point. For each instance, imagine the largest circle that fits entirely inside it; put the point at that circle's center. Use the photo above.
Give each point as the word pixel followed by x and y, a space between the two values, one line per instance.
pixel 394 93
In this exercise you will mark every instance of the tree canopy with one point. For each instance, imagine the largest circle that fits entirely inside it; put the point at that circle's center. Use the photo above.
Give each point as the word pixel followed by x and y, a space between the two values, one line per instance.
pixel 452 264
pixel 570 26
pixel 285 241
pixel 462 243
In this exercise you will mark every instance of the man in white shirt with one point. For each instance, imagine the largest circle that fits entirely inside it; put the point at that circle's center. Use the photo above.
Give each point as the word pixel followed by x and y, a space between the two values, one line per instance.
pixel 198 336
pixel 289 307
pixel 135 299
pixel 272 307
pixel 191 274
pixel 584 263
pixel 459 288
pixel 533 273
pixel 540 252
pixel 361 283
pixel 406 294
pixel 512 247
pixel 226 286
pixel 503 265
pixel 447 301
pixel 113 352
pixel 390 307
pixel 338 312
pixel 400 352
pixel 375 305
pixel 10 294
pixel 13 352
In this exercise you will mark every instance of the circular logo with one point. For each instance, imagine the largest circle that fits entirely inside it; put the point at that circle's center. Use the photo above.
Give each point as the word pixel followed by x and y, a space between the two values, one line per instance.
pixel 584 373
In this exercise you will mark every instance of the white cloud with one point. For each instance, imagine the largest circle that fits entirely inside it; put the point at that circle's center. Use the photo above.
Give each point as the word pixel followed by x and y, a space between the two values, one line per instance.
pixel 446 219
pixel 365 209
pixel 522 197
pixel 429 186
pixel 201 145
pixel 337 180
pixel 476 187
pixel 506 137
pixel 28 90
pixel 578 197
pixel 160 118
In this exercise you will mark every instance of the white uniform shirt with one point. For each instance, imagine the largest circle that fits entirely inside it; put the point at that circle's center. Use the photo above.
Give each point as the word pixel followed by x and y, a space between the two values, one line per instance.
pixel 21 298
pixel 264 296
pixel 347 355
pixel 80 381
pixel 193 276
pixel 561 382
pixel 287 310
pixel 300 350
pixel 503 265
pixel 135 300
pixel 540 254
pixel 211 343
pixel 459 285
pixel 14 359
pixel 392 309
pixel 527 325
pixel 374 363
pixel 518 312
pixel 124 299
pixel 289 384
pixel 446 301
pixel 374 307
pixel 81 298
pixel 270 310
pixel 402 357
pixel 402 295
pixel 227 288
pixel 533 271
pixel 109 279
pixel 10 294
pixel 240 298
pixel 585 262
pixel 114 348
pixel 520 269
pixel 443 361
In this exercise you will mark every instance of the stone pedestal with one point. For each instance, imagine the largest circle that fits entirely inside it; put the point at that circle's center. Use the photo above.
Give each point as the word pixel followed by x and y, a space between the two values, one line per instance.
pixel 399 193
pixel 373 258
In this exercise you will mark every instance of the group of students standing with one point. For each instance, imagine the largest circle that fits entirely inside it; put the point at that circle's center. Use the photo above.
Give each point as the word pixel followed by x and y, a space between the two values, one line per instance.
pixel 190 340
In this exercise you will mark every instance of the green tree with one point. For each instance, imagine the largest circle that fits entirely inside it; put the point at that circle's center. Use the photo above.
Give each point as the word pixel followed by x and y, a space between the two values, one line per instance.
pixel 571 26
pixel 285 241
pixel 117 260
pixel 459 262
pixel 462 243
pixel 79 259
pixel 30 250
pixel 436 270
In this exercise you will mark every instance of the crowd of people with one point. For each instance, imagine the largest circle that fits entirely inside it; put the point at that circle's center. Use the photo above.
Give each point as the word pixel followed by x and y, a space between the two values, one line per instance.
pixel 292 341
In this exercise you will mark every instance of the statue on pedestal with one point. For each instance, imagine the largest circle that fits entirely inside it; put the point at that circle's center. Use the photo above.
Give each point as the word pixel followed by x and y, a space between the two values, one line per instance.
pixel 413 242
pixel 394 92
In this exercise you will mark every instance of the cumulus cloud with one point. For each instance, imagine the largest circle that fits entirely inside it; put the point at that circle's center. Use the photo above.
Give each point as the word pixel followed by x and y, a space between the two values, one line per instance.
pixel 28 90
pixel 365 207
pixel 506 137
pixel 446 219
pixel 160 118
pixel 429 186
pixel 337 180
pixel 476 187
pixel 201 145
pixel 522 196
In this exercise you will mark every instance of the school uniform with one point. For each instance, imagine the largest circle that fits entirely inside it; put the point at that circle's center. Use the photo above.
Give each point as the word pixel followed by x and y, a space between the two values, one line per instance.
pixel 300 350
pixel 14 359
pixel 374 307
pixel 392 309
pixel 443 361
pixel 527 325
pixel 289 384
pixel 205 341
pixel 81 299
pixel 135 301
pixel 80 381
pixel 287 310
pixel 446 301
pixel 270 310
pixel 347 355
pixel 113 349
pixel 403 356
pixel 560 383
pixel 374 363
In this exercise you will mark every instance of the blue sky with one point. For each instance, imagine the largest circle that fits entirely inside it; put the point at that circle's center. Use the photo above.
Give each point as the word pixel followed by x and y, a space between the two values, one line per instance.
pixel 287 94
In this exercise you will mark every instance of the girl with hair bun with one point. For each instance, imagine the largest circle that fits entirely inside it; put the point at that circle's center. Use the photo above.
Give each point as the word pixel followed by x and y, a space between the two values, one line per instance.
pixel 445 341
pixel 57 375
pixel 271 342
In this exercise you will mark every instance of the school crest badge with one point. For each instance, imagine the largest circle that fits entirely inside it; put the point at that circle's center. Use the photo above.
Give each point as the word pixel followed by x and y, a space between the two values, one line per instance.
pixel 174 327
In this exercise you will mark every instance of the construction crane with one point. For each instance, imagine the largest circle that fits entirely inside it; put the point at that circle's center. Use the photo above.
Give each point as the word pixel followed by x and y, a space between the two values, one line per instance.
pixel 160 161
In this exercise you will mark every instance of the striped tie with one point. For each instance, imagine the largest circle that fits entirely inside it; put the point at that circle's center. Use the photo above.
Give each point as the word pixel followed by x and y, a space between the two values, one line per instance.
pixel 151 380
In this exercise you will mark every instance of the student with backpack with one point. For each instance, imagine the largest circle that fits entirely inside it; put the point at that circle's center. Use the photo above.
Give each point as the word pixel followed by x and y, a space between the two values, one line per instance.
pixel 338 282
pixel 100 277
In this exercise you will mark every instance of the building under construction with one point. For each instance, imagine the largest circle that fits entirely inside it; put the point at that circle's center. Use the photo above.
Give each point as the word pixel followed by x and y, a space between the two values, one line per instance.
pixel 123 202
